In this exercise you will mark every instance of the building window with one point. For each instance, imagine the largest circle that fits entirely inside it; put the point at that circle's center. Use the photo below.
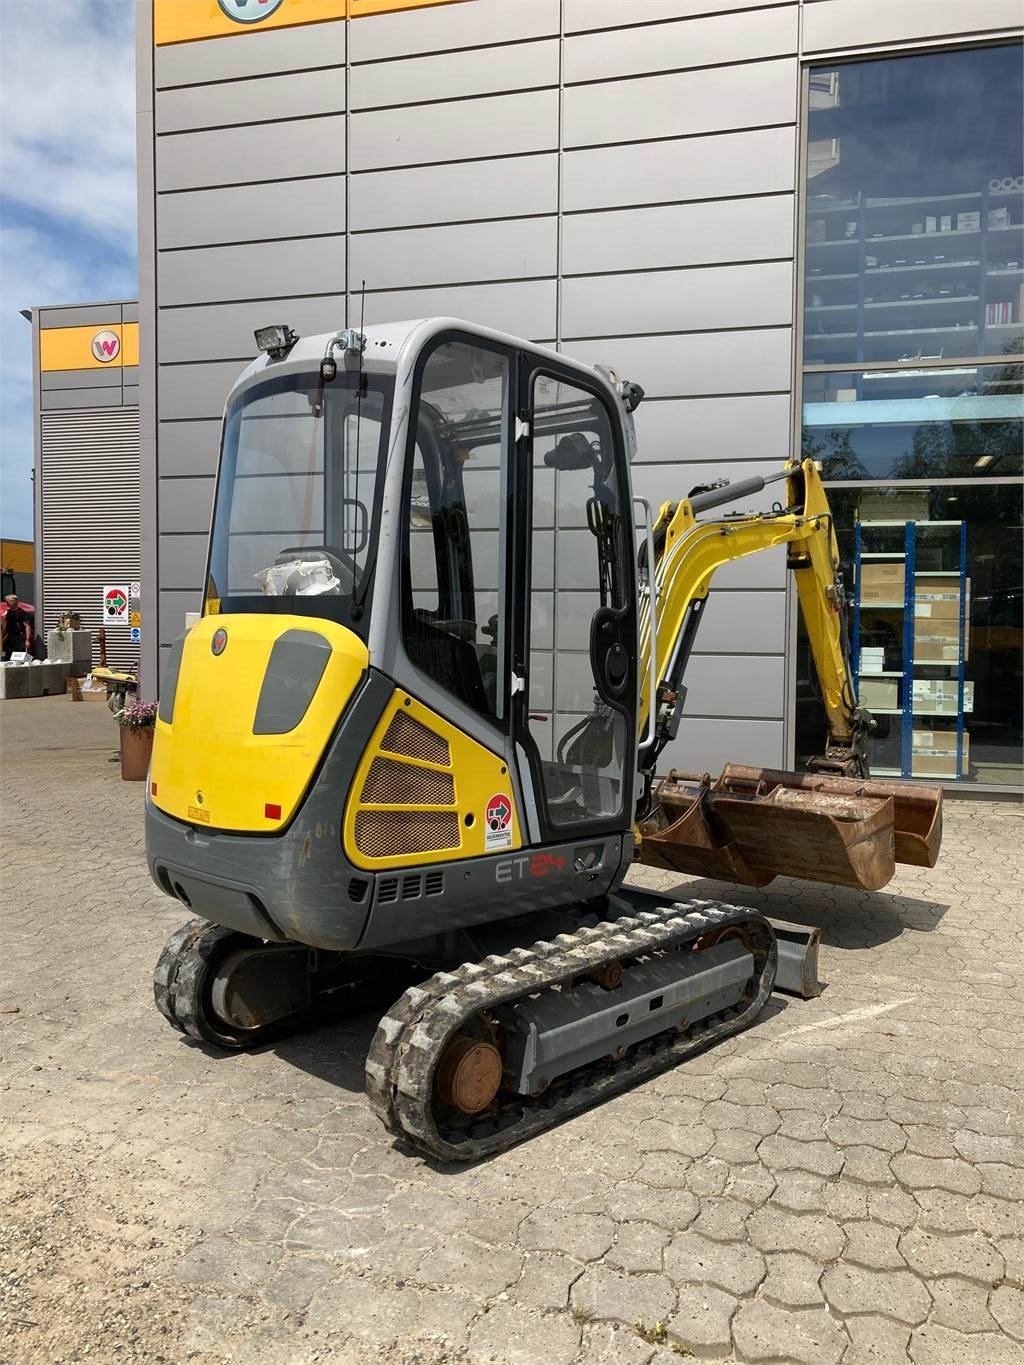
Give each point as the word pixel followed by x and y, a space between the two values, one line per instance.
pixel 913 327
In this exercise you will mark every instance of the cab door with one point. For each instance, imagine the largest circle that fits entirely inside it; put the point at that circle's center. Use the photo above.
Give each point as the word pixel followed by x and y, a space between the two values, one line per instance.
pixel 576 632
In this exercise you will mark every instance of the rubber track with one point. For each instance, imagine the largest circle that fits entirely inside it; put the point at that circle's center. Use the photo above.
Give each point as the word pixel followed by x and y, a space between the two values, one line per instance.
pixel 178 983
pixel 412 1035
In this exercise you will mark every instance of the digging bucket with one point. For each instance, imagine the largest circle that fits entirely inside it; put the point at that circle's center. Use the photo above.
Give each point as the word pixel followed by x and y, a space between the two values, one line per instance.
pixel 753 824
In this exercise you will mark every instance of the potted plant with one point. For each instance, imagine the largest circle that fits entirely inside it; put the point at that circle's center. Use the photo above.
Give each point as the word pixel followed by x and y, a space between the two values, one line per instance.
pixel 137 723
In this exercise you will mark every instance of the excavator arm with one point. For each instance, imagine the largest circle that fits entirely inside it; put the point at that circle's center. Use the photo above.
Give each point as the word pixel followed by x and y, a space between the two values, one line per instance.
pixel 831 823
pixel 688 553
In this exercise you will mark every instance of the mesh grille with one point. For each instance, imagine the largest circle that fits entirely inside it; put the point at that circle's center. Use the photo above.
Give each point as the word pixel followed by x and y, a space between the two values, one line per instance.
pixel 383 834
pixel 407 736
pixel 391 782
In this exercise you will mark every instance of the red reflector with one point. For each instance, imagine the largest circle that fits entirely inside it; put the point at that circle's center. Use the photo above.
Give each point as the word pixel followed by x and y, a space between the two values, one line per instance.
pixel 272 812
pixel 152 789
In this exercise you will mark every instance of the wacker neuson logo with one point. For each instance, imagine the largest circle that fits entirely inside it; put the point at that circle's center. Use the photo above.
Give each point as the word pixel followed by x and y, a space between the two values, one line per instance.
pixel 249 11
pixel 106 346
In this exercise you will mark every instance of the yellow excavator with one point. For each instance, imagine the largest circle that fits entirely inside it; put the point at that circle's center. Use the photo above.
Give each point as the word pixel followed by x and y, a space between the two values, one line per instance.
pixel 410 748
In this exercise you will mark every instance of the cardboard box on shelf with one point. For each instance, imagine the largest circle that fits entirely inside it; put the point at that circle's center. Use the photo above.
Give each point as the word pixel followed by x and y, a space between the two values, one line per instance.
pixel 948 610
pixel 933 761
pixel 930 652
pixel 936 587
pixel 882 581
pixel 969 221
pixel 883 693
pixel 999 218
pixel 940 696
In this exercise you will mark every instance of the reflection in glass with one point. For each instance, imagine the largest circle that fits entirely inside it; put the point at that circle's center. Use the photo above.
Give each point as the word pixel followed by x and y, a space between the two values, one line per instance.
pixel 914 223
pixel 964 421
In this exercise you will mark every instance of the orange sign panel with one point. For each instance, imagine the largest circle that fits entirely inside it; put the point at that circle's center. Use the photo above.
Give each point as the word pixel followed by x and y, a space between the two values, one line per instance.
pixel 89 348
pixel 182 21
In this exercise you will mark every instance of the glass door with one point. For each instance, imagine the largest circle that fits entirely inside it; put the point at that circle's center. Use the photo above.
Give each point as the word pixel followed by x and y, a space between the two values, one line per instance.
pixel 578 717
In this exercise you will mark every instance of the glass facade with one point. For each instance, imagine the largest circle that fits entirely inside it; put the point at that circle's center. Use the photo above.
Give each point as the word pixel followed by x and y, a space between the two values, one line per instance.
pixel 912 398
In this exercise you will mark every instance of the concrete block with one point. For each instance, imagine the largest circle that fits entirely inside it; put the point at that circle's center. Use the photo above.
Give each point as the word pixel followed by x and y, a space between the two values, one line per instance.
pixel 14 680
pixel 69 646
pixel 35 680
pixel 53 679
pixel 79 669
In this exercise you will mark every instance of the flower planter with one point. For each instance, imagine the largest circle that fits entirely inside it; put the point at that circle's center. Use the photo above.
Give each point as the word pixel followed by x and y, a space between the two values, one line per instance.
pixel 136 748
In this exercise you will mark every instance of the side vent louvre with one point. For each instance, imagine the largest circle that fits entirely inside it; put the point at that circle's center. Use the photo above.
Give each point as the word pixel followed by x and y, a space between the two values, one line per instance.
pixel 434 885
pixel 357 889
pixel 387 890
pixel 412 888
pixel 407 802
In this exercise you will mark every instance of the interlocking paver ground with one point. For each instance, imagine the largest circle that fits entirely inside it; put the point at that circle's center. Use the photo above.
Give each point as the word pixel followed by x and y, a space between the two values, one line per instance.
pixel 843 1182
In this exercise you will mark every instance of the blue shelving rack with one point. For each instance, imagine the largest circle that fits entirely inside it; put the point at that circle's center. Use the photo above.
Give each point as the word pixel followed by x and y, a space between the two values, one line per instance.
pixel 909 556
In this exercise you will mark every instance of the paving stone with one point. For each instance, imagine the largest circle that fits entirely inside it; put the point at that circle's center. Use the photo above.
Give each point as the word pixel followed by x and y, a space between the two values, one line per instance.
pixel 799 1192
pixel 735 1267
pixel 763 1331
pixel 818 1101
pixel 701 1322
pixel 792 1281
pixel 984 1147
pixel 746 1118
pixel 881 1133
pixel 723 1220
pixel 893 1206
pixel 924 1140
pixel 670 1209
pixel 873 1245
pixel 784 1154
pixel 876 1341
pixel 691 1139
pixel 546 1279
pixel 332 1233
pixel 940 1211
pixel 1007 1307
pixel 773 1229
pixel 583 1235
pixel 894 1293
pixel 752 1184
pixel 664 1170
pixel 468 1264
pixel 842 1200
pixel 297 1280
pixel 609 1343
pixel 736 1146
pixel 869 1165
pixel 638 1246
pixel 802 1125
pixel 708 1177
pixel 607 1294
pixel 1005 1182
pixel 268 1220
pixel 509 1332
pixel 969 1255
pixel 935 1345
pixel 232 1265
pixel 960 1304
pixel 926 1173
pixel 997 1217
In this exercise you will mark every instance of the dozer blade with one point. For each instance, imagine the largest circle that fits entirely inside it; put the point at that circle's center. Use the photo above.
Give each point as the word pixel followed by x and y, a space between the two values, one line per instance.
pixel 754 824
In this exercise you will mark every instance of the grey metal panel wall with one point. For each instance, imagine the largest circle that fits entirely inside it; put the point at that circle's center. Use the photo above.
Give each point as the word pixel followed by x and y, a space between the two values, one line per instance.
pixel 618 178
pixel 89 496
pixel 849 24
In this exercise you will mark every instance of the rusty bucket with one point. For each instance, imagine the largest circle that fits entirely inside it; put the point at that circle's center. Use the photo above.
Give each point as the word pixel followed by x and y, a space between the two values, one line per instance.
pixel 753 824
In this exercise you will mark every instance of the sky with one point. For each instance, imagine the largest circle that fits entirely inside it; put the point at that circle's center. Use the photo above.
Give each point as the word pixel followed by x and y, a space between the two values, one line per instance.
pixel 67 192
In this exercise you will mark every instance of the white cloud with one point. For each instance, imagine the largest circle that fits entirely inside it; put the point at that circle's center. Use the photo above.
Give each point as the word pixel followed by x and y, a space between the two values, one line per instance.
pixel 67 191
pixel 67 113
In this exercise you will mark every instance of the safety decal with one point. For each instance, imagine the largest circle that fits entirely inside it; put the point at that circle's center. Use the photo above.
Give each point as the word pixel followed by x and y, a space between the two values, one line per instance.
pixel 498 833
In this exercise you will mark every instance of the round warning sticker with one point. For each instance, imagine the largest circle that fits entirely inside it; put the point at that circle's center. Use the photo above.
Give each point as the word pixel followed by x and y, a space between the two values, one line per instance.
pixel 498 817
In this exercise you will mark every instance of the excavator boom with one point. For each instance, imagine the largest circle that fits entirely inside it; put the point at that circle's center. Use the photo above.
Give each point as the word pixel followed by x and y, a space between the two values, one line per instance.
pixel 831 824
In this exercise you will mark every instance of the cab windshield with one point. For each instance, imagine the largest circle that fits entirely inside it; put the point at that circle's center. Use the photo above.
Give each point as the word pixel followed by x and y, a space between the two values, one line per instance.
pixel 298 497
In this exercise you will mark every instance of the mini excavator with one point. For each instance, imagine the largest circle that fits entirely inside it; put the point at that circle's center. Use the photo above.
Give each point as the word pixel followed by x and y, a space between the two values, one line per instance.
pixel 408 752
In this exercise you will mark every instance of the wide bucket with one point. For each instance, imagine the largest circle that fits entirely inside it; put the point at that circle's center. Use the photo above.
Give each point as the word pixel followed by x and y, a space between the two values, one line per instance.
pixel 754 824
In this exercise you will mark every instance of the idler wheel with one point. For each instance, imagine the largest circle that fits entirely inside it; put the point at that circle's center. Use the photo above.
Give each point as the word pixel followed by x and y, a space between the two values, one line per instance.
pixel 468 1074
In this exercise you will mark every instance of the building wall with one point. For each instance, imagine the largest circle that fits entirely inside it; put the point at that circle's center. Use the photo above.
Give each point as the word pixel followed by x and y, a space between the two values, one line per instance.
pixel 87 483
pixel 618 179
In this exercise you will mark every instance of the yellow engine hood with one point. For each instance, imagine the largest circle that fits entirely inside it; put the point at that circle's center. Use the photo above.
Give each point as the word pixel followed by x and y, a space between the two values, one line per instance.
pixel 209 767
